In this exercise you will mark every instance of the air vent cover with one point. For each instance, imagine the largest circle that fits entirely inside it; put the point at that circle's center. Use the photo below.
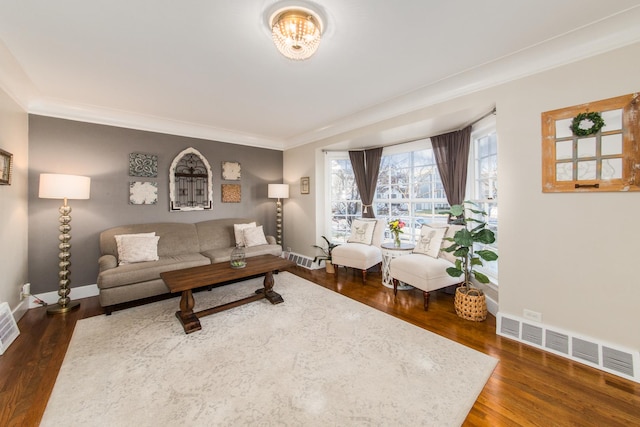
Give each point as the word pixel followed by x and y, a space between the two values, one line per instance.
pixel 557 341
pixel 585 350
pixel 532 334
pixel 617 360
pixel 8 328
pixel 510 327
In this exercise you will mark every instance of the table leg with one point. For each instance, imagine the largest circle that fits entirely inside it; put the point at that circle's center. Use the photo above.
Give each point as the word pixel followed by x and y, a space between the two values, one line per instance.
pixel 269 293
pixel 187 317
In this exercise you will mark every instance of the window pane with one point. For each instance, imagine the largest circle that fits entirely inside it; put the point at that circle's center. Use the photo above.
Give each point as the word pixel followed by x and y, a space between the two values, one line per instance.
pixel 564 150
pixel 587 170
pixel 612 169
pixel 612 144
pixel 612 120
pixel 563 128
pixel 564 172
pixel 586 147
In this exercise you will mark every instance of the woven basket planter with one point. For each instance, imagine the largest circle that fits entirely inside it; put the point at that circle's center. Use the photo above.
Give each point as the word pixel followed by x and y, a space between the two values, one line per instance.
pixel 470 304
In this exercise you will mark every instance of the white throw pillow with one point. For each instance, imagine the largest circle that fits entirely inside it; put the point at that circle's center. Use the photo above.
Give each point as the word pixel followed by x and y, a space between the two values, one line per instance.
pixel 254 236
pixel 362 231
pixel 136 248
pixel 451 231
pixel 430 241
pixel 119 237
pixel 238 231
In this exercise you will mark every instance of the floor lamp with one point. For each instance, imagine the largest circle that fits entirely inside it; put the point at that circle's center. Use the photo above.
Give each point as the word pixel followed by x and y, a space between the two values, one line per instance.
pixel 57 186
pixel 279 191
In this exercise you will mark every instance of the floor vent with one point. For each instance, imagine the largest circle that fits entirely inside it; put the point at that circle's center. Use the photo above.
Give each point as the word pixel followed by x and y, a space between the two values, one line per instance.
pixel 8 328
pixel 532 333
pixel 510 327
pixel 557 341
pixel 597 354
pixel 617 360
pixel 302 261
pixel 585 350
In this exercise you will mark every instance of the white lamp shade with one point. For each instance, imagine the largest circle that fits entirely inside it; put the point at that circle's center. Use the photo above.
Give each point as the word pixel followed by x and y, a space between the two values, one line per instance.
pixel 278 191
pixel 58 186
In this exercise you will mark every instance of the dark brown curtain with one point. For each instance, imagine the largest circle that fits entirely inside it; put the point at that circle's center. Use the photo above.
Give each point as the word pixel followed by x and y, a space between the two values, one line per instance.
pixel 452 156
pixel 366 166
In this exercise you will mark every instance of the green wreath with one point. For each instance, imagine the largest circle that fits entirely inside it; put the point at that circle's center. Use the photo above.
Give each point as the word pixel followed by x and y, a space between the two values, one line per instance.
pixel 596 124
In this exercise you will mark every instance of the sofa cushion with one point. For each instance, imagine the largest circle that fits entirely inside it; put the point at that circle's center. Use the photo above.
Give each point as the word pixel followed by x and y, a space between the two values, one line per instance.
pixel 356 255
pixel 144 271
pixel 134 248
pixel 430 240
pixel 362 231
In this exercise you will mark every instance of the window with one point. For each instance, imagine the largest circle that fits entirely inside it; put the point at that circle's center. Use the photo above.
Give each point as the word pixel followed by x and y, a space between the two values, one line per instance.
pixel 409 188
pixel 483 182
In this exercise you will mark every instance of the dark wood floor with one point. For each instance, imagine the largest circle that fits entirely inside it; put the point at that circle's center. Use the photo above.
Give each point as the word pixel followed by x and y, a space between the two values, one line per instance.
pixel 529 387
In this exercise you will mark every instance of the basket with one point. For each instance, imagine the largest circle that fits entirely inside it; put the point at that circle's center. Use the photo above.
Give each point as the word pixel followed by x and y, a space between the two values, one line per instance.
pixel 470 304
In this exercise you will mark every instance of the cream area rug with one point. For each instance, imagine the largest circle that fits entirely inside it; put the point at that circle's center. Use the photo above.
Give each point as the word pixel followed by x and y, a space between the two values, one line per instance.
pixel 318 359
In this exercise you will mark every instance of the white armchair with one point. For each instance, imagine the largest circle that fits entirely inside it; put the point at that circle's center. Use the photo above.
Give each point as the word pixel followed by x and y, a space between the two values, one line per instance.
pixel 426 267
pixel 362 250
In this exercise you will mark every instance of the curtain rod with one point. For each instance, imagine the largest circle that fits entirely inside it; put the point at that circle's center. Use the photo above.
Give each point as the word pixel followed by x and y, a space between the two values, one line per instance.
pixel 475 121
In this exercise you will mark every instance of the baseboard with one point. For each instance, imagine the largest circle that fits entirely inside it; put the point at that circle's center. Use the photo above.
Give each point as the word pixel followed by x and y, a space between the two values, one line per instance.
pixel 76 293
pixel 604 356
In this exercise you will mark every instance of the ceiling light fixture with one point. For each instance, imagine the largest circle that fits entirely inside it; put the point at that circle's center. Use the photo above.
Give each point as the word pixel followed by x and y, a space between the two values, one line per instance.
pixel 296 32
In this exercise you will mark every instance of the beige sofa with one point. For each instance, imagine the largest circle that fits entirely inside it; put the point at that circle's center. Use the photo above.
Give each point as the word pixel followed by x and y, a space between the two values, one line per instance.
pixel 179 245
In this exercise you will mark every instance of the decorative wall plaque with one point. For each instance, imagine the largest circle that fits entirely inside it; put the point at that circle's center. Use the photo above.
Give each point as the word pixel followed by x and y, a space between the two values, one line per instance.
pixel 6 165
pixel 145 165
pixel 231 171
pixel 143 193
pixel 231 193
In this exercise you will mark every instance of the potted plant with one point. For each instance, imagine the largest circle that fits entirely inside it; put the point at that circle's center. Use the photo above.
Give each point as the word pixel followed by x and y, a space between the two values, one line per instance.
pixel 326 255
pixel 470 301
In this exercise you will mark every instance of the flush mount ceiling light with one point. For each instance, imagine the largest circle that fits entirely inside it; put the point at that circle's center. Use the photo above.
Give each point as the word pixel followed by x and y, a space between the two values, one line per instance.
pixel 296 31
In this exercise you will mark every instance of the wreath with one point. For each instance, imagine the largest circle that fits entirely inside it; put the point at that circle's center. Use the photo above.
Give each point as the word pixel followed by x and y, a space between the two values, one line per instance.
pixel 586 124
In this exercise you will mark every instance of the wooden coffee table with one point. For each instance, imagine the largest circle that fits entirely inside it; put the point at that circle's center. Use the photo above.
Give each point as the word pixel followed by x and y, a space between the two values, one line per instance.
pixel 187 279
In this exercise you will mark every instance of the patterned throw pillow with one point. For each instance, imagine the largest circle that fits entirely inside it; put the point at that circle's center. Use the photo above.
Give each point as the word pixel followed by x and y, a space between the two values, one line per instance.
pixel 137 247
pixel 451 231
pixel 430 241
pixel 362 231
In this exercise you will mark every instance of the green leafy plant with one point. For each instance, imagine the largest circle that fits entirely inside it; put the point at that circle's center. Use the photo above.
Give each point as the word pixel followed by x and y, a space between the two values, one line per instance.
pixel 463 243
pixel 326 250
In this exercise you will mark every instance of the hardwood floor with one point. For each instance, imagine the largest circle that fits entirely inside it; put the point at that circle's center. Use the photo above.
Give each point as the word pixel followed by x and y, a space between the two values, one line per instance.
pixel 529 387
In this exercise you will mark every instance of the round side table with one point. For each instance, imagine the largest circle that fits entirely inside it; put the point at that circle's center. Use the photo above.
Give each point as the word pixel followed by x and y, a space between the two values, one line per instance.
pixel 389 252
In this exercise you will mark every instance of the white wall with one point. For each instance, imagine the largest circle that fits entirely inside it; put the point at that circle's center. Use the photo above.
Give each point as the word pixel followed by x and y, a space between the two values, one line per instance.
pixel 13 205
pixel 567 256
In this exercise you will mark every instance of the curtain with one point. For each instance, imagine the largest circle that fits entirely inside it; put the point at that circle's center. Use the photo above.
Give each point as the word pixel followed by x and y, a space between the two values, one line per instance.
pixel 366 166
pixel 451 151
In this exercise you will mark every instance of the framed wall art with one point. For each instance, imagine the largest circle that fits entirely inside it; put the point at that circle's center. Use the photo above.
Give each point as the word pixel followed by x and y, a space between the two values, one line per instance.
pixel 304 185
pixel 592 147
pixel 6 165
pixel 143 193
pixel 231 171
pixel 145 165
pixel 231 193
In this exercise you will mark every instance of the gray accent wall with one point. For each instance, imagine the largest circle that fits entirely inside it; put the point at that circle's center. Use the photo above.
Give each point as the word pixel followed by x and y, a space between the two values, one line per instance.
pixel 102 153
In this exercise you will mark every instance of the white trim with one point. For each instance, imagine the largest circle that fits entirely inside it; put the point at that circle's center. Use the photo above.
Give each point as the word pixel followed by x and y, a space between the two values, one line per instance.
pixel 76 293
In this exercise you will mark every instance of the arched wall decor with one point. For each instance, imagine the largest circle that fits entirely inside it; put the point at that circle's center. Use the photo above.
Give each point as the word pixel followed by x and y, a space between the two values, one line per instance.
pixel 190 182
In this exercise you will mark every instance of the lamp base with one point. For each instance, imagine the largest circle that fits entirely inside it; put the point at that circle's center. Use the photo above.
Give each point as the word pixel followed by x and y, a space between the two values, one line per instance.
pixel 58 309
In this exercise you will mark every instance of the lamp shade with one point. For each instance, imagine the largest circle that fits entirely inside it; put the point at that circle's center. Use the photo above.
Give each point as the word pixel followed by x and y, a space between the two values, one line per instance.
pixel 58 186
pixel 278 191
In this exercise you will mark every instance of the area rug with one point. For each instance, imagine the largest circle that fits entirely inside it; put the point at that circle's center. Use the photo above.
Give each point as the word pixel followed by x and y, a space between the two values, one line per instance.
pixel 318 359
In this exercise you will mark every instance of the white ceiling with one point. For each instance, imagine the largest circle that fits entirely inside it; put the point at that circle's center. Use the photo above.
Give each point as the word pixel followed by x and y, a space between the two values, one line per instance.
pixel 209 69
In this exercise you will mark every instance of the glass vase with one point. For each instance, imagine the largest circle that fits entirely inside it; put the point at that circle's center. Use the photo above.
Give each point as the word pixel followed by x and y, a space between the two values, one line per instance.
pixel 238 258
pixel 396 240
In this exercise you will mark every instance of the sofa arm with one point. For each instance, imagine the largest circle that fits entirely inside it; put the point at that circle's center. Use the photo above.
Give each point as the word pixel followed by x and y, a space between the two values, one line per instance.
pixel 107 262
pixel 271 240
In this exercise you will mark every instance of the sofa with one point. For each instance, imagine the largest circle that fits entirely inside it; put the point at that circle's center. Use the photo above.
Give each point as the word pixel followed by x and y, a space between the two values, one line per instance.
pixel 133 256
pixel 426 267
